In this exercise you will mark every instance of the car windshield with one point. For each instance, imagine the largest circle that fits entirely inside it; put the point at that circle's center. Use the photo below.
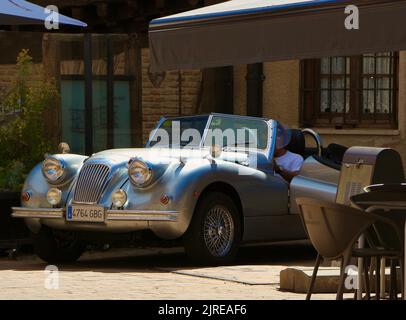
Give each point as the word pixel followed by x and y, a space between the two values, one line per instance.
pixel 179 132
pixel 237 132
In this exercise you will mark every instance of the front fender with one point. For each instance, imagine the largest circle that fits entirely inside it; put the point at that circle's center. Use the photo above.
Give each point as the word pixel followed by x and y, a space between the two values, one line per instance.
pixel 183 183
pixel 37 186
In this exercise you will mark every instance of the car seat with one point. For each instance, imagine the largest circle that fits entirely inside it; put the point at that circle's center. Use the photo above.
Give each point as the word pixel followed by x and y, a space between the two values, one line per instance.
pixel 297 142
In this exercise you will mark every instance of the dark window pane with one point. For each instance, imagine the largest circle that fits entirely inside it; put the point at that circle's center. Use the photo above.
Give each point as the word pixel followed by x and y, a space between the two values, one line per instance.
pixel 337 97
pixel 325 65
pixel 383 102
pixel 369 65
pixel 357 90
pixel 338 65
pixel 368 98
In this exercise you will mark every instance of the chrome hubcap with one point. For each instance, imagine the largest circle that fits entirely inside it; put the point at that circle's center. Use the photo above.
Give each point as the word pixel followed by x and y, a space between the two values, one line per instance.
pixel 219 231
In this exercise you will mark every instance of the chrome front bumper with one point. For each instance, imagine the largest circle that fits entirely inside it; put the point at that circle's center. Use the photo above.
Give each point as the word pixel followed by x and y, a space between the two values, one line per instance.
pixel 110 215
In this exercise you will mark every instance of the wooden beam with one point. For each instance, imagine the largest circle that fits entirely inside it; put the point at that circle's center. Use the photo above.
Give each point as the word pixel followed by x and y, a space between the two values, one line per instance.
pixel 78 13
pixel 134 68
pixel 51 65
pixel 110 93
pixel 88 94
pixel 103 9
pixel 125 11
pixel 160 4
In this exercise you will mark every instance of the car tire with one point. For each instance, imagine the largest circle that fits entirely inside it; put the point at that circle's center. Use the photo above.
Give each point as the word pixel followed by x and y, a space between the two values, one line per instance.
pixel 57 246
pixel 214 234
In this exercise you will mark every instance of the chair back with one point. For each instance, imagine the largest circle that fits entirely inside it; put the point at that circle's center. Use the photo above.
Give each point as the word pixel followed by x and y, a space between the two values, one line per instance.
pixel 383 234
pixel 332 228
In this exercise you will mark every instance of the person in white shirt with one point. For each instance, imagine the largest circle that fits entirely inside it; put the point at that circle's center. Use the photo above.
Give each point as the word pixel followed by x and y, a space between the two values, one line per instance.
pixel 286 164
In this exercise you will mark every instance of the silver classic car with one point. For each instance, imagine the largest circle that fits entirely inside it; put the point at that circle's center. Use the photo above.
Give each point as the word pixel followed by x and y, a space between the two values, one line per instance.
pixel 186 185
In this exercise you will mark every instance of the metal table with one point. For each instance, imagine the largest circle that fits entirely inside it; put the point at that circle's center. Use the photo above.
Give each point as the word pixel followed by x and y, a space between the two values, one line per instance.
pixel 388 197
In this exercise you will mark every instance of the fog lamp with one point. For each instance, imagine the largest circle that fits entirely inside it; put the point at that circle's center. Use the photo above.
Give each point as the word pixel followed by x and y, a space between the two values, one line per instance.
pixel 54 196
pixel 119 198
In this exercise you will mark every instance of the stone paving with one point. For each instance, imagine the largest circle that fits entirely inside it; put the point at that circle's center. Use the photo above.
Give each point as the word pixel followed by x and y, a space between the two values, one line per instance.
pixel 155 274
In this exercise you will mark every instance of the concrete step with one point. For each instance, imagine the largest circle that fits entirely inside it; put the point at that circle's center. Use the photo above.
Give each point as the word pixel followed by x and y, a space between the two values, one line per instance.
pixel 298 279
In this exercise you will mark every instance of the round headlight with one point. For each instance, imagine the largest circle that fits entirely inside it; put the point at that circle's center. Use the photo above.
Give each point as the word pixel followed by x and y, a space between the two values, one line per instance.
pixel 54 196
pixel 53 170
pixel 139 172
pixel 119 198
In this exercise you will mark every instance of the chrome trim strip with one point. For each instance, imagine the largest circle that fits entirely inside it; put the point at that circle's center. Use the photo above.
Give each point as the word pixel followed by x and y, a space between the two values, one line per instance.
pixel 47 213
pixel 206 131
pixel 111 215
pixel 142 215
pixel 152 134
pixel 316 137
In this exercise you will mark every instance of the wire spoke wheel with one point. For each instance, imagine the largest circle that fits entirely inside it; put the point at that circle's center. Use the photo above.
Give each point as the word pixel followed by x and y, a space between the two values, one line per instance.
pixel 214 234
pixel 218 231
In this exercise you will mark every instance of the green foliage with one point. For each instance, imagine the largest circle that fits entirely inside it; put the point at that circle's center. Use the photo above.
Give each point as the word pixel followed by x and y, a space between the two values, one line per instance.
pixel 22 135
pixel 12 176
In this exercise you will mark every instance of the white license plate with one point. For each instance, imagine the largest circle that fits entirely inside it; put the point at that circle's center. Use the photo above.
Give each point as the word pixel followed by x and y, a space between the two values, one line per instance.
pixel 85 213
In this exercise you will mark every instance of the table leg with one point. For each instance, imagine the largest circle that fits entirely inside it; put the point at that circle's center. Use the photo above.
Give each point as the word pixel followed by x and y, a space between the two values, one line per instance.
pixel 383 278
pixel 361 245
pixel 404 264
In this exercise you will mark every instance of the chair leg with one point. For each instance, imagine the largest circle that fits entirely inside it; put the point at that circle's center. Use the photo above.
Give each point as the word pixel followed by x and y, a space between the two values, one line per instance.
pixel 314 277
pixel 366 278
pixel 345 261
pixel 382 278
pixel 378 278
pixel 402 277
pixel 393 279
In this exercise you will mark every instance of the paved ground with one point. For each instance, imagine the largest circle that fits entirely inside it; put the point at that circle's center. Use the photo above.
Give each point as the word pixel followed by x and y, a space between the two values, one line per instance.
pixel 156 274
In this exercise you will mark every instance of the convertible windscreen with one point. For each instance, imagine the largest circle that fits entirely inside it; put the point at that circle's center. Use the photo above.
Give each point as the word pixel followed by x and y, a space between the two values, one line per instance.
pixel 180 132
pixel 232 132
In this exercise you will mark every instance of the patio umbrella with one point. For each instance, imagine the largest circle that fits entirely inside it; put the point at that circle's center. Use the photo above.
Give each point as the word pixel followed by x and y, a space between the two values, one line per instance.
pixel 20 12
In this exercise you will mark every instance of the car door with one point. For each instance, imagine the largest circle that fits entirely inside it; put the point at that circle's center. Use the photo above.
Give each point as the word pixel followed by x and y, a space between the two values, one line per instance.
pixel 266 201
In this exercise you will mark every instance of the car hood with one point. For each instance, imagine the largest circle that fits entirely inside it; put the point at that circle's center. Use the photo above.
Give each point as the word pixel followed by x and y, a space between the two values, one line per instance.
pixel 158 159
pixel 152 155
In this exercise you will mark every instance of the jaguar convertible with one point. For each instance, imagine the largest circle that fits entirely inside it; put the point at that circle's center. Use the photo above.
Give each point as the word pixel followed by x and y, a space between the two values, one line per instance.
pixel 205 193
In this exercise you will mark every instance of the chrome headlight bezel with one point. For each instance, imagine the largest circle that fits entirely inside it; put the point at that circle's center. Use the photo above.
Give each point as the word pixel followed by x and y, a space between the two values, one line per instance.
pixel 54 178
pixel 140 166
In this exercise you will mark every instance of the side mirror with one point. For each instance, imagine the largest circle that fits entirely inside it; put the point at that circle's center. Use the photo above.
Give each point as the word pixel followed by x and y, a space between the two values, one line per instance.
pixel 63 148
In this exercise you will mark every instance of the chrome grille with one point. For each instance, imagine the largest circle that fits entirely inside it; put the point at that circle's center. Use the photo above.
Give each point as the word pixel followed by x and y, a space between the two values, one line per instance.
pixel 91 182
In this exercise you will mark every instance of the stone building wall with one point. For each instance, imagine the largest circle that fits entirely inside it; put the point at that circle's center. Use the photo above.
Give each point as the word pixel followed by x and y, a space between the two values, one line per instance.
pixel 240 90
pixel 282 102
pixel 164 100
pixel 281 92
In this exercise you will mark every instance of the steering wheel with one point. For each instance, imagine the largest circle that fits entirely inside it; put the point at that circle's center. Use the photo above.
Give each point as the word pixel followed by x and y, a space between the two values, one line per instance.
pixel 316 137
